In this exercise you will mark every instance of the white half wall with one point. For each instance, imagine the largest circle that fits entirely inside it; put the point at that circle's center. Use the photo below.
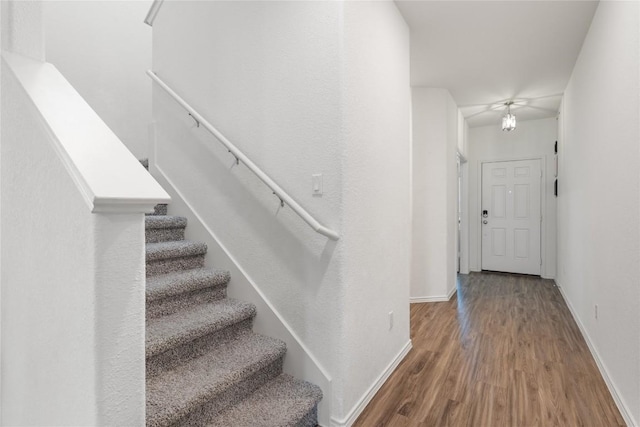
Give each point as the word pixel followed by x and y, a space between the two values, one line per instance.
pixel 72 319
pixel 103 48
pixel 531 139
pixel 46 374
pixel 599 198
pixel 435 187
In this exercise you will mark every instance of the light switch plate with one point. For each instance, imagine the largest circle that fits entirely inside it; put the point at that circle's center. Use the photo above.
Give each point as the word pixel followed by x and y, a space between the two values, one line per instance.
pixel 316 184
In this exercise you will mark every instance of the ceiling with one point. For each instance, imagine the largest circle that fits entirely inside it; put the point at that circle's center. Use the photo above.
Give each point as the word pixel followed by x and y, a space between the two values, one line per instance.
pixel 489 52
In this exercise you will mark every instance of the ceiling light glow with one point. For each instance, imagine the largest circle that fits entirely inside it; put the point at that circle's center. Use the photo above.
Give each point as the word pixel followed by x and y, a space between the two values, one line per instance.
pixel 508 120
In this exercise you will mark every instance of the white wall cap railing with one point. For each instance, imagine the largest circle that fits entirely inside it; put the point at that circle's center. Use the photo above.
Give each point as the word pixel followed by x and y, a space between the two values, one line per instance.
pixel 153 12
pixel 108 176
pixel 241 157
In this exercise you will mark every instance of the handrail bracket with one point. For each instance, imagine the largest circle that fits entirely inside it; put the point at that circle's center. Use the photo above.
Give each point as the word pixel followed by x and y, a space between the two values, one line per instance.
pixel 236 157
pixel 280 198
pixel 196 120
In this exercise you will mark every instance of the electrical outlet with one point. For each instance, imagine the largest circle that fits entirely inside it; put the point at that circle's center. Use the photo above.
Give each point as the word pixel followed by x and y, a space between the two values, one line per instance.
pixel 390 320
pixel 595 311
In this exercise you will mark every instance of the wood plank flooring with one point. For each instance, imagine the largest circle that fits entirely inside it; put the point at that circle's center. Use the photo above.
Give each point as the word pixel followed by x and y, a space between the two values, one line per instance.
pixel 504 352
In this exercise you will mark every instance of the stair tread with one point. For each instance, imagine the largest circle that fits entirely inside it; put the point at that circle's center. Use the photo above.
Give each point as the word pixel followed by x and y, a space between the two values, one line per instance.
pixel 174 249
pixel 190 323
pixel 284 401
pixel 164 221
pixel 159 209
pixel 178 282
pixel 175 393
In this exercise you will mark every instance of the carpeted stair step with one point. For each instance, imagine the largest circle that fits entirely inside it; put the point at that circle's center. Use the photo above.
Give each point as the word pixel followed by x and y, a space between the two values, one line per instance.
pixel 168 293
pixel 191 332
pixel 160 209
pixel 165 257
pixel 283 402
pixel 164 228
pixel 194 392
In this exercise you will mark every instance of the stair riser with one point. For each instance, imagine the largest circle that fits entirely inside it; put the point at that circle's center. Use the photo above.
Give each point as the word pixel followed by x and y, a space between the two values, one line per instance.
pixel 234 394
pixel 176 303
pixel 168 265
pixel 311 419
pixel 170 359
pixel 157 235
pixel 159 210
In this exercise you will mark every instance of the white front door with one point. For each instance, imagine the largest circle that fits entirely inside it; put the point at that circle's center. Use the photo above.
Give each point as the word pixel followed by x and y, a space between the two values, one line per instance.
pixel 510 216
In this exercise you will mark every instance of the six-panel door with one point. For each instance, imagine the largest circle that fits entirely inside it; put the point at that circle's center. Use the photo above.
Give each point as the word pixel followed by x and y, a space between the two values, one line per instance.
pixel 511 216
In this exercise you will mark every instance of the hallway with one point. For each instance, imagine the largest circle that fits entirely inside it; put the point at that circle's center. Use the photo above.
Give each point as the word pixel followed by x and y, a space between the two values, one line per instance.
pixel 504 351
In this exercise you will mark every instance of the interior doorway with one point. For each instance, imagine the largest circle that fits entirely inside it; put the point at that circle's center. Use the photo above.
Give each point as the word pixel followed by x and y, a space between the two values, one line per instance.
pixel 511 216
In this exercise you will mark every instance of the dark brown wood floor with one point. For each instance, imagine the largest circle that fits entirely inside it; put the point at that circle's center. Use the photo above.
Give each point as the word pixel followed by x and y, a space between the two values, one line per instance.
pixel 504 352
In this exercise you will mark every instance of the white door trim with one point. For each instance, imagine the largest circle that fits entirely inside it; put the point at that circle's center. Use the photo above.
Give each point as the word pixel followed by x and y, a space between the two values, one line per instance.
pixel 464 222
pixel 543 206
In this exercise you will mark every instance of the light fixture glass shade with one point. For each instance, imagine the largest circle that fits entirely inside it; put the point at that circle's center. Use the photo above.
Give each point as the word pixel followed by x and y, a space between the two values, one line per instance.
pixel 509 122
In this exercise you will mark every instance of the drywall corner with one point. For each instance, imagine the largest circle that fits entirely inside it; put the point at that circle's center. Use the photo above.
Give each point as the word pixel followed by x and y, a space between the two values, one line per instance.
pixel 434 189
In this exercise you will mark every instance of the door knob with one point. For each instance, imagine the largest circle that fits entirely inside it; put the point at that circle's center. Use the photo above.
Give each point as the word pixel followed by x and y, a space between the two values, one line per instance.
pixel 485 222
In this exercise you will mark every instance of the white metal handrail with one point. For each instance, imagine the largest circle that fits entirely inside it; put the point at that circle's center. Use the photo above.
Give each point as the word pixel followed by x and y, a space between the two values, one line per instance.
pixel 241 157
pixel 153 11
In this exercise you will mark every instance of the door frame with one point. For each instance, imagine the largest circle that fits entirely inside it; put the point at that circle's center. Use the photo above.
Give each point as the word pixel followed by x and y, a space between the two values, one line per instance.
pixel 543 206
pixel 463 179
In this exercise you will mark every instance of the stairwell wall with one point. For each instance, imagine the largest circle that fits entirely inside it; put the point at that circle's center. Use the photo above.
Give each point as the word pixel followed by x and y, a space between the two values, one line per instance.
pixel 104 48
pixel 266 74
pixel 599 198
pixel 281 80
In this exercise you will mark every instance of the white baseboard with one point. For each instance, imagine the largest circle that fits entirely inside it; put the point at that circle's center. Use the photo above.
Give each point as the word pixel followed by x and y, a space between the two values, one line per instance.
pixel 442 298
pixel 626 414
pixel 355 412
pixel 416 300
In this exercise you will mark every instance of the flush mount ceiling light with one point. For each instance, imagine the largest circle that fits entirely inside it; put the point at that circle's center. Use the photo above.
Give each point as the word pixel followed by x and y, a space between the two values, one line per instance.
pixel 508 120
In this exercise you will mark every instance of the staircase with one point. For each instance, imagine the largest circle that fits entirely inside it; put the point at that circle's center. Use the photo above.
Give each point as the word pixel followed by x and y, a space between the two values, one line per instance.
pixel 204 364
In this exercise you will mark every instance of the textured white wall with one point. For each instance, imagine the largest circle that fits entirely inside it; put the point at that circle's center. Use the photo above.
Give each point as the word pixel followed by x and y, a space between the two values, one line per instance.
pixel 376 194
pixel 3 17
pixel 103 48
pixel 531 139
pixel 435 142
pixel 22 28
pixel 4 25
pixel 37 333
pixel 280 82
pixel 599 196
pixel 72 319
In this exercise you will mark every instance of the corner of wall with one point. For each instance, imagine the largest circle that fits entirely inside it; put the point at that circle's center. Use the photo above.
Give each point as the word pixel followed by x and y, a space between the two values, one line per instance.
pixel 23 29
pixel 371 391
